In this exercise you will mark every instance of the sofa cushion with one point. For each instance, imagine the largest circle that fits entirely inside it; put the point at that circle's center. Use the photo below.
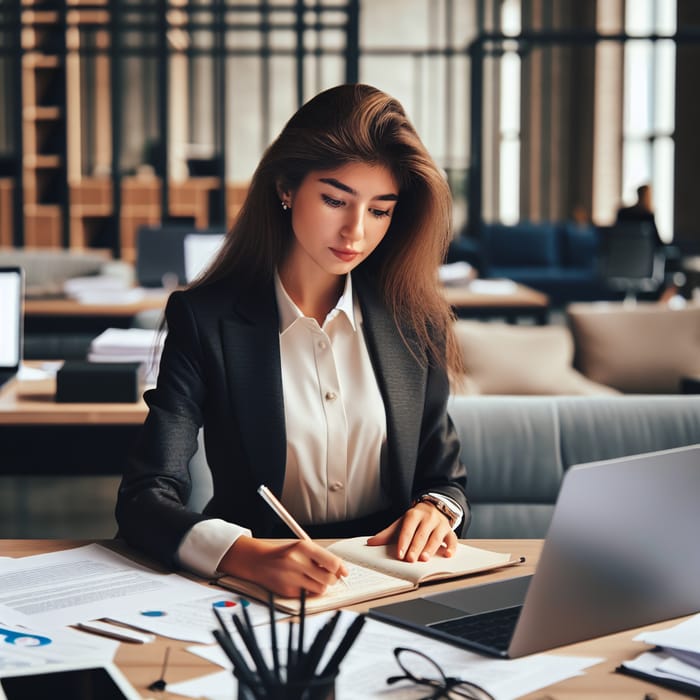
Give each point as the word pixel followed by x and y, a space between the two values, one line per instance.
pixel 597 428
pixel 579 246
pixel 520 245
pixel 507 359
pixel 517 448
pixel 646 348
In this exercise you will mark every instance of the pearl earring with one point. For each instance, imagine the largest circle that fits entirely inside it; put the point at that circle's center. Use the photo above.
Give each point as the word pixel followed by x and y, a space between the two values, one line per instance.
pixel 285 206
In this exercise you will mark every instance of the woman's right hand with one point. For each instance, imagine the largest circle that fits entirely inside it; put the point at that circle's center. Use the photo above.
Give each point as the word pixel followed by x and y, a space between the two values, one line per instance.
pixel 283 566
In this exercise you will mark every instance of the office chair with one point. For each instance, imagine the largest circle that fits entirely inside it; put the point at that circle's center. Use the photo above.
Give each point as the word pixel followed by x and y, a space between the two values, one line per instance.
pixel 631 260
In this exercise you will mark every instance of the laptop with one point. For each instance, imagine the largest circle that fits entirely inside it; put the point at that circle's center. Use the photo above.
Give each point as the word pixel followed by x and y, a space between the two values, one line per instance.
pixel 620 553
pixel 11 321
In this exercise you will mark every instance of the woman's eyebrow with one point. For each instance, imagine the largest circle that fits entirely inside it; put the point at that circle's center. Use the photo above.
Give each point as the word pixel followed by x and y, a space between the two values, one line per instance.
pixel 342 186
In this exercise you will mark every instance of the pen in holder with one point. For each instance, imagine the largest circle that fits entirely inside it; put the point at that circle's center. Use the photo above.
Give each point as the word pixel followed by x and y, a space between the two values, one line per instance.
pixel 300 677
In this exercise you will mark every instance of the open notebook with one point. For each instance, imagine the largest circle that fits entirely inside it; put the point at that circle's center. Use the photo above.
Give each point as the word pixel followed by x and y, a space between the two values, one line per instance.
pixel 375 573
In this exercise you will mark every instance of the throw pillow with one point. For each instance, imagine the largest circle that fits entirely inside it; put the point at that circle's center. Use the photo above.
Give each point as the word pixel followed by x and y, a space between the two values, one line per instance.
pixel 646 348
pixel 512 359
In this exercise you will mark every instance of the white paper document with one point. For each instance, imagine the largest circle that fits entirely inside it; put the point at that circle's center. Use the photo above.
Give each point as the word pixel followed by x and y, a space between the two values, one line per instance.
pixel 23 648
pixel 492 286
pixel 194 620
pixel 364 671
pixel 85 583
pixel 684 636
pixel 676 657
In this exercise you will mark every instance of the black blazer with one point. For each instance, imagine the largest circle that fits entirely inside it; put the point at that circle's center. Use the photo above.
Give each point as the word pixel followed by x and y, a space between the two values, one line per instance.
pixel 220 368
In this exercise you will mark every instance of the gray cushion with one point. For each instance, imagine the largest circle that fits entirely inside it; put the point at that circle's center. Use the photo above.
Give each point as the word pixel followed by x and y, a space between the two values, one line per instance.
pixel 517 448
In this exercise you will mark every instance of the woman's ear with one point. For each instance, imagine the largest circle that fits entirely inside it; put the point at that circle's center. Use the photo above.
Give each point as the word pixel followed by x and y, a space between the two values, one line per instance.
pixel 282 191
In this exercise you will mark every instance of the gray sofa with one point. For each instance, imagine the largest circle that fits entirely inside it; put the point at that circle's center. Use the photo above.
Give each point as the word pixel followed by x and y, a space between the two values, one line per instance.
pixel 517 448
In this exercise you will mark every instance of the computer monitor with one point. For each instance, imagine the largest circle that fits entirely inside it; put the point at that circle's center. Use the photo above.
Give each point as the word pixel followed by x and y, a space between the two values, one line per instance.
pixel 160 254
pixel 11 321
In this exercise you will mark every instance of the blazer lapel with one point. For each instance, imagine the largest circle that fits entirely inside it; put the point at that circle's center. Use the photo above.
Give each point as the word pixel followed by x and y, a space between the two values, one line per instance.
pixel 402 383
pixel 250 340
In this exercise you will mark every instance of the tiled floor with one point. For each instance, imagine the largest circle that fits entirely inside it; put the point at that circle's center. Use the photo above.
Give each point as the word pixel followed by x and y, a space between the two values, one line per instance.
pixel 58 507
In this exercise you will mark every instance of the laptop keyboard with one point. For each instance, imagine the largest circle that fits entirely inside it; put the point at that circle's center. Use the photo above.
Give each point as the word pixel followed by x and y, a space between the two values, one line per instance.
pixel 490 629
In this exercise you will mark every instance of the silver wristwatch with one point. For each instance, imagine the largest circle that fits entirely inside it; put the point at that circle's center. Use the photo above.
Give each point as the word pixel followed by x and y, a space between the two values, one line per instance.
pixel 453 513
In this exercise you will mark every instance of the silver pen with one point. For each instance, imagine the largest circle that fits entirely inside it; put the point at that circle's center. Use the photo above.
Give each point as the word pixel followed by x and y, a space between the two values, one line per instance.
pixel 285 516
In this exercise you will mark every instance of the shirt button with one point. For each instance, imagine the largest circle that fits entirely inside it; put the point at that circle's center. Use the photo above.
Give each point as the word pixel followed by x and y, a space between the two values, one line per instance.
pixel 322 344
pixel 336 486
pixel 331 395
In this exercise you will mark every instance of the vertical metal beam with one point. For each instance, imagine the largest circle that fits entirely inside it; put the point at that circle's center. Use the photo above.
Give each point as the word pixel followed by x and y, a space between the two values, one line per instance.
pixel 115 20
pixel 220 106
pixel 352 42
pixel 299 25
pixel 162 71
pixel 16 57
pixel 264 73
pixel 62 185
pixel 474 184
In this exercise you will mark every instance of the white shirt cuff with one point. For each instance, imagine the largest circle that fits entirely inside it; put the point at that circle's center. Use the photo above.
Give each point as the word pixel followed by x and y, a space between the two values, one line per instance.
pixel 203 547
pixel 453 505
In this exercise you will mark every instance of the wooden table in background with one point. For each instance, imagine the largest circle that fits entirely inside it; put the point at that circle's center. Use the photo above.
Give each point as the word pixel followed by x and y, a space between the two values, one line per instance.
pixel 41 437
pixel 70 316
pixel 142 663
pixel 521 302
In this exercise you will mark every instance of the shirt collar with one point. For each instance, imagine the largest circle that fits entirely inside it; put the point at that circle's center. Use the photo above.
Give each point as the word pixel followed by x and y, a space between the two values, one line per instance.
pixel 289 312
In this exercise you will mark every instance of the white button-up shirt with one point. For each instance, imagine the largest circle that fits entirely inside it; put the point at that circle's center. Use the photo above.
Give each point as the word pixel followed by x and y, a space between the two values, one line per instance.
pixel 334 412
pixel 335 425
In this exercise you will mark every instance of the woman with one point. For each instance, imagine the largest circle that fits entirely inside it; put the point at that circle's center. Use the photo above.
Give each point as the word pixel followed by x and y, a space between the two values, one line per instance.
pixel 315 353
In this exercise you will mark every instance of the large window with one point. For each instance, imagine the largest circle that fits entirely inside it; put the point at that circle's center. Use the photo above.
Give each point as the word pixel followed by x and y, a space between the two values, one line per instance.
pixel 649 99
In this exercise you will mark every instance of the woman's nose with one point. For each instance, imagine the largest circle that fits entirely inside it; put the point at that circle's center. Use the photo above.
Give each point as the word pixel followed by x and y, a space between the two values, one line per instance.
pixel 354 226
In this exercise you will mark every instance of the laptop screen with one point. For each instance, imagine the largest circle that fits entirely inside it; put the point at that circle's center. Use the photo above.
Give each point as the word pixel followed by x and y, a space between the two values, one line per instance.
pixel 11 320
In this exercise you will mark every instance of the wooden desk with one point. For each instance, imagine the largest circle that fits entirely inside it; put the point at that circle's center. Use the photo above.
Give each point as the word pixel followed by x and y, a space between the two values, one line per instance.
pixel 523 301
pixel 142 663
pixel 70 316
pixel 40 436
pixel 70 307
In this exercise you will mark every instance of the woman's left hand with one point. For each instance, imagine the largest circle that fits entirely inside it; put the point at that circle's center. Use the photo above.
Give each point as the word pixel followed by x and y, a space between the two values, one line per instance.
pixel 419 534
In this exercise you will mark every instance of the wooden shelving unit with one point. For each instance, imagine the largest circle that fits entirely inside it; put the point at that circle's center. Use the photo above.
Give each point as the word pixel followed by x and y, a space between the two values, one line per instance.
pixel 62 205
pixel 44 154
pixel 6 211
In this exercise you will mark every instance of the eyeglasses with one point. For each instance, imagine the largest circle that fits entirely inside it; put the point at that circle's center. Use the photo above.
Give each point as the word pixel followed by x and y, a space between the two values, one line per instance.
pixel 422 670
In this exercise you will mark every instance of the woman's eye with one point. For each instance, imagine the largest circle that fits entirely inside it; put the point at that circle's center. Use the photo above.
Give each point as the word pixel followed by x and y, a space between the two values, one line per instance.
pixel 332 202
pixel 379 213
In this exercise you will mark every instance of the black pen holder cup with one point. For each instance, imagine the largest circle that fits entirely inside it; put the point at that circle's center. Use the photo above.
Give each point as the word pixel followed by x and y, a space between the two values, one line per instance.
pixel 316 688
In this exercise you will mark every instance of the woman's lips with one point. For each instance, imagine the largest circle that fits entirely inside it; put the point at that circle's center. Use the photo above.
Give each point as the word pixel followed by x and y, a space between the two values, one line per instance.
pixel 345 255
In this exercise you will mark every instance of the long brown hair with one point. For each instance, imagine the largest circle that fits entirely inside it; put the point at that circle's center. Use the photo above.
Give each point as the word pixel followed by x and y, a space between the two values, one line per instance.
pixel 346 124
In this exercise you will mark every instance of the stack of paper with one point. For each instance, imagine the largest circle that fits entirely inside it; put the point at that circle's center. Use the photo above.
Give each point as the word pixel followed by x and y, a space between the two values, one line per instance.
pixel 456 273
pixel 126 345
pixel 675 661
pixel 141 345
pixel 102 289
pixel 493 286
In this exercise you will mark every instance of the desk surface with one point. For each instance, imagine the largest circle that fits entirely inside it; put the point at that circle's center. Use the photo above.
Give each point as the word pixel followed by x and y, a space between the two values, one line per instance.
pixel 70 307
pixel 142 663
pixel 33 403
pixel 464 297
